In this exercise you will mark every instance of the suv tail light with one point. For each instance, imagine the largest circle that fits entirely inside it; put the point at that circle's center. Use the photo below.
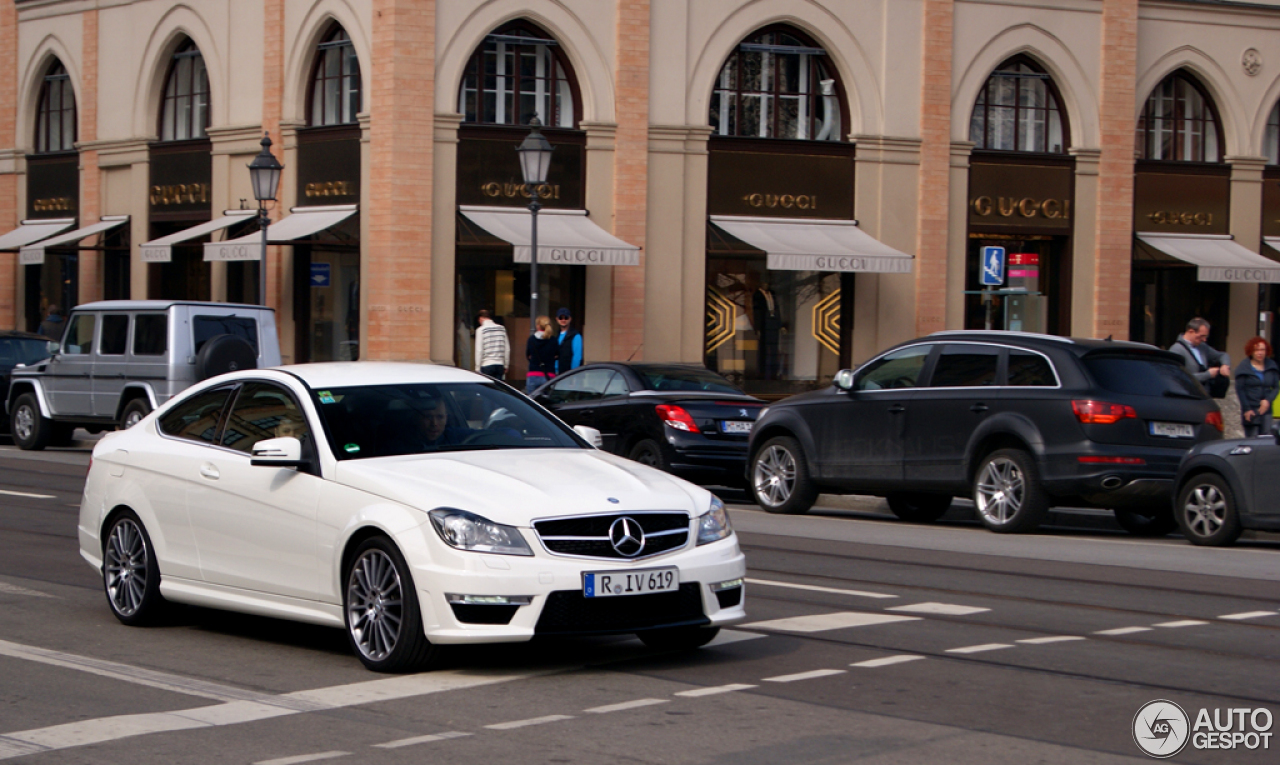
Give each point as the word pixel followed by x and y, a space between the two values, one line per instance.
pixel 1101 413
pixel 1214 418
pixel 677 417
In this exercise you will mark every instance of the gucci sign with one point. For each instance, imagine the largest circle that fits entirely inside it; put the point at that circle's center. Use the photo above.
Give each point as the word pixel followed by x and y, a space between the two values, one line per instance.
pixel 53 204
pixel 180 194
pixel 513 190
pixel 787 201
pixel 1026 207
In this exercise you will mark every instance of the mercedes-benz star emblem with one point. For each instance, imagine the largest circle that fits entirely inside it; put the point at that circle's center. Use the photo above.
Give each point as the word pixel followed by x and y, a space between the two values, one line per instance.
pixel 627 537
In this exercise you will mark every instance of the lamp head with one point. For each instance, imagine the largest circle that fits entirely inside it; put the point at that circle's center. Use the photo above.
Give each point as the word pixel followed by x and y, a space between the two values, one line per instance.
pixel 535 155
pixel 264 172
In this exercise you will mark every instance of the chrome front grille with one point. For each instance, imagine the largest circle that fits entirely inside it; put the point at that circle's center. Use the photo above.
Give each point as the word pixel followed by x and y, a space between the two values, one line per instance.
pixel 588 536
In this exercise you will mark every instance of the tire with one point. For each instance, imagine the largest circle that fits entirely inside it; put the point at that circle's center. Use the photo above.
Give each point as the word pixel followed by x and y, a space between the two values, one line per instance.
pixel 780 480
pixel 1007 492
pixel 29 429
pixel 919 508
pixel 380 609
pixel 224 353
pixel 678 638
pixel 134 411
pixel 130 572
pixel 1146 523
pixel 651 453
pixel 1206 511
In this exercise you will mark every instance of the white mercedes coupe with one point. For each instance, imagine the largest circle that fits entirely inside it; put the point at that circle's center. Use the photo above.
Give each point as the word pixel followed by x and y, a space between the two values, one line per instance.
pixel 413 505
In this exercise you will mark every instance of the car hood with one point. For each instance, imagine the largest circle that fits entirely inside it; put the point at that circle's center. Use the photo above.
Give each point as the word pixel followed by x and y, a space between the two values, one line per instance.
pixel 515 486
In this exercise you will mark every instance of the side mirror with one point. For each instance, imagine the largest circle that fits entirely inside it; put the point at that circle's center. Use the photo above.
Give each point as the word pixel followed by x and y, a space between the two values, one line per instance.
pixel 278 453
pixel 590 434
pixel 53 347
pixel 844 379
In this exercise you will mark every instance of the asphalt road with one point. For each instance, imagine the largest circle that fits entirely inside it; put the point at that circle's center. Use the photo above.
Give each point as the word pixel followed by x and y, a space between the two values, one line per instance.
pixel 869 640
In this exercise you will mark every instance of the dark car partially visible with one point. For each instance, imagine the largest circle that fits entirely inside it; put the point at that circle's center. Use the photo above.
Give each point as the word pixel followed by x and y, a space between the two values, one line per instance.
pixel 1226 487
pixel 18 348
pixel 684 419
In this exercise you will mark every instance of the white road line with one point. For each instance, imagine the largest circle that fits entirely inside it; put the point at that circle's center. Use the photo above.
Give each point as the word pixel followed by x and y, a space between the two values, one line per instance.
pixel 13 589
pixel 948 609
pixel 27 494
pixel 1183 623
pixel 816 588
pixel 422 739
pixel 811 675
pixel 1245 615
pixel 1123 631
pixel 303 758
pixel 823 622
pixel 696 692
pixel 728 636
pixel 1052 639
pixel 887 660
pixel 526 723
pixel 624 706
pixel 980 648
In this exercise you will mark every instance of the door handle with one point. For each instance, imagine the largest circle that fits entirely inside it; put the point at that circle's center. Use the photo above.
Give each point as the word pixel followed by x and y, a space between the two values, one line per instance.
pixel 209 471
pixel 897 409
pixel 979 407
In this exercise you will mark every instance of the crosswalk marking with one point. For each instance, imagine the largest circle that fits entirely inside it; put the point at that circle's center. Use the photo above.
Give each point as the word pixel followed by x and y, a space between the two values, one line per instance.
pixel 811 675
pixel 1052 639
pixel 303 758
pixel 887 661
pixel 715 690
pixel 625 705
pixel 1123 631
pixel 422 739
pixel 526 723
pixel 1250 615
pixel 945 609
pixel 728 636
pixel 1182 623
pixel 27 494
pixel 824 622
pixel 817 588
pixel 980 648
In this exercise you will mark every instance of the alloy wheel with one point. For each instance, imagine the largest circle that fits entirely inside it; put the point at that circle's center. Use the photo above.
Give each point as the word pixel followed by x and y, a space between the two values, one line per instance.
pixel 375 604
pixel 1205 509
pixel 133 418
pixel 126 567
pixel 1001 490
pixel 775 475
pixel 24 423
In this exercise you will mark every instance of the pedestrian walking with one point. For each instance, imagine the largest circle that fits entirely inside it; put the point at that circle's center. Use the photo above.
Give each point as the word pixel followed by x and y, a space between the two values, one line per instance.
pixel 53 324
pixel 1257 381
pixel 493 350
pixel 542 349
pixel 570 343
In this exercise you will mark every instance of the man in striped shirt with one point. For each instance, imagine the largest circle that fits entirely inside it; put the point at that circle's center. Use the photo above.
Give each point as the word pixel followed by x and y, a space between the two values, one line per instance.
pixel 493 350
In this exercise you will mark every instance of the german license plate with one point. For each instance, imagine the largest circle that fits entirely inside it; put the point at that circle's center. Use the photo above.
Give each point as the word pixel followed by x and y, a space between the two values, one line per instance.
pixel 736 426
pixel 1173 429
pixel 612 584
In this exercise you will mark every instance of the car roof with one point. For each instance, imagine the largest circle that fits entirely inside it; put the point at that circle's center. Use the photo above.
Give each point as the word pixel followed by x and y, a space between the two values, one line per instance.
pixel 342 374
pixel 1078 345
pixel 159 305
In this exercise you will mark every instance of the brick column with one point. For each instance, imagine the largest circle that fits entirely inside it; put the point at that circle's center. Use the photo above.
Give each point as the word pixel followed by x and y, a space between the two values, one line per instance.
pixel 1113 264
pixel 91 261
pixel 935 168
pixel 272 100
pixel 396 258
pixel 9 213
pixel 631 177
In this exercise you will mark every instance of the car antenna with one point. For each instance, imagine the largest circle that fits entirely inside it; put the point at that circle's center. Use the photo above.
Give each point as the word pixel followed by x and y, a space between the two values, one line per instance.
pixel 633 353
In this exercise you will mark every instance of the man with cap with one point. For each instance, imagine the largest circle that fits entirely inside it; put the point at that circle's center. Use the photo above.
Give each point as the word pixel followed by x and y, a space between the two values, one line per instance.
pixel 570 343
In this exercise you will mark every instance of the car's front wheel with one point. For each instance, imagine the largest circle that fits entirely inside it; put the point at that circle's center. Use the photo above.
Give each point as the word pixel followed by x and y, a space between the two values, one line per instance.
pixel 29 429
pixel 130 572
pixel 1206 511
pixel 780 479
pixel 919 508
pixel 384 622
pixel 678 638
pixel 1146 523
pixel 1007 492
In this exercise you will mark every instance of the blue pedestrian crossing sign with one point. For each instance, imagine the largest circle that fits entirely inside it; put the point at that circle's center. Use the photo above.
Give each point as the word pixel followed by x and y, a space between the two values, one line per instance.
pixel 319 274
pixel 992 266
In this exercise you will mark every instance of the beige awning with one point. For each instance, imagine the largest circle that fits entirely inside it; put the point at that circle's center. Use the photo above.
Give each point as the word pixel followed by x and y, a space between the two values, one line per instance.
pixel 161 250
pixel 1220 259
pixel 33 254
pixel 798 244
pixel 33 231
pixel 301 222
pixel 565 237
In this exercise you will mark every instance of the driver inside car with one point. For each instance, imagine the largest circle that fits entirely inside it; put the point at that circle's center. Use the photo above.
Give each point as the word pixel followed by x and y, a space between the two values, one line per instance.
pixel 436 430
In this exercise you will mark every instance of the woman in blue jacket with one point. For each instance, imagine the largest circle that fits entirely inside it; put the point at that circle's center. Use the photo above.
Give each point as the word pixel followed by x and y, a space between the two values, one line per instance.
pixel 1257 381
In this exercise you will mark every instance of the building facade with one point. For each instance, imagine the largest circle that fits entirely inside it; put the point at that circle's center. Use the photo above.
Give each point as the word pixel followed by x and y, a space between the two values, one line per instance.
pixel 775 188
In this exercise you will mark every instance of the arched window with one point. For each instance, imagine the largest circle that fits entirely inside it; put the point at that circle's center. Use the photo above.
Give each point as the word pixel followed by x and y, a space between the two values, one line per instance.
pixel 516 73
pixel 1018 110
pixel 1179 123
pixel 777 85
pixel 185 113
pixel 56 117
pixel 335 82
pixel 1271 142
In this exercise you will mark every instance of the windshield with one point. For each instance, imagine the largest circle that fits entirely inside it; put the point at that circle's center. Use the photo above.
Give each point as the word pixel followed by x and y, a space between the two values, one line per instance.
pixel 1143 376
pixel 685 378
pixel 423 418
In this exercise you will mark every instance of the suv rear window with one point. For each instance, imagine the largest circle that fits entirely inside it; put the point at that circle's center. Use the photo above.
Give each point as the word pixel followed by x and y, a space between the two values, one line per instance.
pixel 209 327
pixel 1142 376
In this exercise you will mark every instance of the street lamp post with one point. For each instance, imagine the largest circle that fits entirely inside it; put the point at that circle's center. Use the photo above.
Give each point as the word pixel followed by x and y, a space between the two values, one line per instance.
pixel 264 173
pixel 535 159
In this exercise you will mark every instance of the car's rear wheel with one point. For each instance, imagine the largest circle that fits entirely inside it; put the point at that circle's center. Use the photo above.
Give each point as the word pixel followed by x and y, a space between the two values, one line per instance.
pixel 384 623
pixel 130 572
pixel 1146 523
pixel 678 638
pixel 919 508
pixel 1007 492
pixel 780 479
pixel 650 452
pixel 1206 511
pixel 29 429
pixel 133 412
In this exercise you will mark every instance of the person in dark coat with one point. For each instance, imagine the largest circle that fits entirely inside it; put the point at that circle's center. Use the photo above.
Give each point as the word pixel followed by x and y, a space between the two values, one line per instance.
pixel 1257 381
pixel 570 343
pixel 1201 360
pixel 53 324
pixel 541 349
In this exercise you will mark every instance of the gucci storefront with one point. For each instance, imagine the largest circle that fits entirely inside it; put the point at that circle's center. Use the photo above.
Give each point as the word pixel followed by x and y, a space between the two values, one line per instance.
pixel 179 199
pixel 51 276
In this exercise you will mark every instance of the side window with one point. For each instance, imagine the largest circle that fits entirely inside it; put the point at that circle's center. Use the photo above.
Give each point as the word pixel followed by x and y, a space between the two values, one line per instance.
pixel 115 334
pixel 263 411
pixel 197 417
pixel 1030 369
pixel 617 386
pixel 207 327
pixel 79 337
pixel 584 386
pixel 150 334
pixel 7 356
pixel 965 366
pixel 900 369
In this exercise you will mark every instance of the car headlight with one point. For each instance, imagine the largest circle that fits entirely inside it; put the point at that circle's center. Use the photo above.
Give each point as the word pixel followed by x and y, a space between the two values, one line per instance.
pixel 468 531
pixel 713 525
